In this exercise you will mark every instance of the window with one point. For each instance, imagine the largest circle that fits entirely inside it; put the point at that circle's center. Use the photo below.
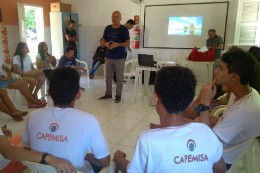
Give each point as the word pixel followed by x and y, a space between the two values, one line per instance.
pixel 248 22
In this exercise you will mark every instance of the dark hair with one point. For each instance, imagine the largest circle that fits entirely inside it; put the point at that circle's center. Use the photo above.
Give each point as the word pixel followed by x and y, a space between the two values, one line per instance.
pixel 245 65
pixel 41 50
pixel 256 54
pixel 72 21
pixel 19 52
pixel 69 48
pixel 131 22
pixel 63 85
pixel 252 49
pixel 212 30
pixel 176 88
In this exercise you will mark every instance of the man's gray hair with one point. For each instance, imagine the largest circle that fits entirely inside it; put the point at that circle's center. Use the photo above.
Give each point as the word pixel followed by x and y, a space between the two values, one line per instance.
pixel 213 31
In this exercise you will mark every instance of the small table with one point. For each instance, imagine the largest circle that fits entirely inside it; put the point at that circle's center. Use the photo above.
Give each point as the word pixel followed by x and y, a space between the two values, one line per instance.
pixel 209 66
pixel 147 71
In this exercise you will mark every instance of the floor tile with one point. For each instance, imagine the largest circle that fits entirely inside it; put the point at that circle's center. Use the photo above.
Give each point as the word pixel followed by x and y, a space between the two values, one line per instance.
pixel 15 127
pixel 130 139
pixel 122 123
pixel 114 135
pixel 143 125
pixel 133 114
pixel 111 146
pixel 86 107
pixel 108 110
pixel 152 117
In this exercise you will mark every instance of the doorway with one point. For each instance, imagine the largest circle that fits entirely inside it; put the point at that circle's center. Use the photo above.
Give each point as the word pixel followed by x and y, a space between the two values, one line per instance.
pixel 32 30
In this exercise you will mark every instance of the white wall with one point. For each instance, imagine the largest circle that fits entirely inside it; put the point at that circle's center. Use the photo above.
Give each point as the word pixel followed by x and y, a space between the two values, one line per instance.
pixel 95 15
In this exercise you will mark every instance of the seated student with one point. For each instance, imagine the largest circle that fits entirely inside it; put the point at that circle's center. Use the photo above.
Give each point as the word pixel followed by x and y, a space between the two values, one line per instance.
pixel 193 110
pixel 64 131
pixel 22 65
pixel 68 60
pixel 44 59
pixel 241 119
pixel 6 105
pixel 100 52
pixel 176 146
pixel 11 153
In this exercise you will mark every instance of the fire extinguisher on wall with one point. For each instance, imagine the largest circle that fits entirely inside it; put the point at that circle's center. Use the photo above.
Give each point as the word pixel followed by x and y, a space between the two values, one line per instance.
pixel 136 37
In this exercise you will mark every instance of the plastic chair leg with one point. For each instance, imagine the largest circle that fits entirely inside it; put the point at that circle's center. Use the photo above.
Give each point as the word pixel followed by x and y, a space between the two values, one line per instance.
pixel 128 81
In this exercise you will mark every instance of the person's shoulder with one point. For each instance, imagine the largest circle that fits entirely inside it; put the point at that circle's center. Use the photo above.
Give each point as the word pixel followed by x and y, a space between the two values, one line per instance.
pixel 38 55
pixel 36 114
pixel 16 57
pixel 219 37
pixel 63 57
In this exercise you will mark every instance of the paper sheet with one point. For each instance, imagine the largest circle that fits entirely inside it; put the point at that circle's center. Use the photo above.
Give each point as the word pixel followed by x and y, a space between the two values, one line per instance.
pixel 203 49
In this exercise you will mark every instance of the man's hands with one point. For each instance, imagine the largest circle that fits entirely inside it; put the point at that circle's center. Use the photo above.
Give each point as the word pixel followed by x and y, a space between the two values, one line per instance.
pixel 208 92
pixel 129 49
pixel 118 156
pixel 7 132
pixel 209 47
pixel 105 59
pixel 112 45
pixel 60 164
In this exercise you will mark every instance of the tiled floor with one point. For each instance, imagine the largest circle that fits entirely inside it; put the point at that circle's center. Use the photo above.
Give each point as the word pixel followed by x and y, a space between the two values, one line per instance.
pixel 121 123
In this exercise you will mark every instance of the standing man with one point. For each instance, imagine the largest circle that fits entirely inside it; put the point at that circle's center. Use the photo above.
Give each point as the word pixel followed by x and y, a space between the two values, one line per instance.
pixel 216 42
pixel 129 25
pixel 116 38
pixel 71 37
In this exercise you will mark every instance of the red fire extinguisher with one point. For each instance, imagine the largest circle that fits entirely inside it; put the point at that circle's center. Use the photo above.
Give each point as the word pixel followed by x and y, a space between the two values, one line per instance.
pixel 136 37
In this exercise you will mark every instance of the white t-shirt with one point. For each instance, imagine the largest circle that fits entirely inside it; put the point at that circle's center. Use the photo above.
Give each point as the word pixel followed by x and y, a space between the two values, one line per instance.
pixel 239 123
pixel 189 148
pixel 3 162
pixel 26 63
pixel 66 133
pixel 47 67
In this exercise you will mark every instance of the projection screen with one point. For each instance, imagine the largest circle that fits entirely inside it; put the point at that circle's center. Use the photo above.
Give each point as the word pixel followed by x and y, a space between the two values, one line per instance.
pixel 183 26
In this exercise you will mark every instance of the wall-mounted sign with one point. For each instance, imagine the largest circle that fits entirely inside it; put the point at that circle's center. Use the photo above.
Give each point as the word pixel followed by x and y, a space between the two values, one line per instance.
pixel 5 43
pixel 136 19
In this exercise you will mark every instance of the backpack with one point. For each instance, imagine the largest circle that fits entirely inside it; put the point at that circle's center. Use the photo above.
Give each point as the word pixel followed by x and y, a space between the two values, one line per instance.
pixel 199 56
pixel 100 55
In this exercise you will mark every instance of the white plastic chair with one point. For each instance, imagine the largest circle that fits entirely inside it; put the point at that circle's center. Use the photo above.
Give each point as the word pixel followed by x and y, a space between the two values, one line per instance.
pixel 213 112
pixel 131 73
pixel 86 67
pixel 23 99
pixel 247 155
pixel 40 168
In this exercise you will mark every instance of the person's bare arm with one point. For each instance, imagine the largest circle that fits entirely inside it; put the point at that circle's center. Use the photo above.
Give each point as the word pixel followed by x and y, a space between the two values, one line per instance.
pixel 71 38
pixel 207 93
pixel 41 65
pixel 11 152
pixel 104 162
pixel 8 71
pixel 79 68
pixel 32 67
pixel 220 166
pixel 119 159
pixel 15 69
pixel 219 47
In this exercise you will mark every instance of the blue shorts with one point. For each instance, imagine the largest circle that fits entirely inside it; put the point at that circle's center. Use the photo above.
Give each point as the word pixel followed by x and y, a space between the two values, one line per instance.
pixel 5 83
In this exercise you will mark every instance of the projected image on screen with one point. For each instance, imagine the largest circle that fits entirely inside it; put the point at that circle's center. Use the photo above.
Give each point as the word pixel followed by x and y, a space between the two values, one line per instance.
pixel 185 26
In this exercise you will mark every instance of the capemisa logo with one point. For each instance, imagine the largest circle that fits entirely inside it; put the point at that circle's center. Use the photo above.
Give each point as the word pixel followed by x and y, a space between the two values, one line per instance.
pixel 54 127
pixel 191 145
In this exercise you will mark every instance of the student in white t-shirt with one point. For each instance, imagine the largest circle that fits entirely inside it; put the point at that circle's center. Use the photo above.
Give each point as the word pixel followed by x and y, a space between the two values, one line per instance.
pixel 176 146
pixel 240 72
pixel 64 131
pixel 11 153
pixel 22 65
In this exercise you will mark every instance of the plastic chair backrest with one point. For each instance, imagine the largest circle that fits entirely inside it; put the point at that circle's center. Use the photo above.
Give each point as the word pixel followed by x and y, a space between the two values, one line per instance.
pixel 134 64
pixel 40 168
pixel 219 111
pixel 217 108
